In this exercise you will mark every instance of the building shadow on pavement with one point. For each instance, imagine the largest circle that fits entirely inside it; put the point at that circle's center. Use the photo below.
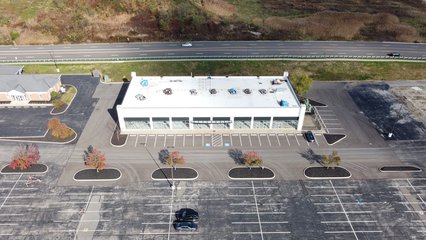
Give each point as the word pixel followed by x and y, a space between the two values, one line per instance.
pixel 120 97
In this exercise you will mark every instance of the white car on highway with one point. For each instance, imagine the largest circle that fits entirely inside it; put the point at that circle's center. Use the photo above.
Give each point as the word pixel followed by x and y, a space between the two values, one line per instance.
pixel 187 44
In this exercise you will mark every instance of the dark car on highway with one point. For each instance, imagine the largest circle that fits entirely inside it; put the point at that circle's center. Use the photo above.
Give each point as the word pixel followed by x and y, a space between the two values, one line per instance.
pixel 185 225
pixel 187 214
pixel 394 54
pixel 309 136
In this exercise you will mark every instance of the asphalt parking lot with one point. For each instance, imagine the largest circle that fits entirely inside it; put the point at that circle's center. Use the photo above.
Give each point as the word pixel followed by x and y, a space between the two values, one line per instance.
pixel 338 209
pixel 32 121
pixel 242 140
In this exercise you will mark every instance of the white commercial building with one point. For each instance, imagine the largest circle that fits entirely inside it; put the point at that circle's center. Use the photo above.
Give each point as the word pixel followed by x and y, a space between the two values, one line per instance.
pixel 230 103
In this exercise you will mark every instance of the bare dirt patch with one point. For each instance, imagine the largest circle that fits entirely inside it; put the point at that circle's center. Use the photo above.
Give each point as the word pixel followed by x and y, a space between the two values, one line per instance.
pixel 415 99
pixel 219 7
pixel 345 25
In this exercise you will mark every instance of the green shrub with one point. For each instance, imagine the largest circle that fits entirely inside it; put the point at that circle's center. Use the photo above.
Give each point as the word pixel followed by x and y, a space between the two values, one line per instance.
pixel 57 103
pixel 14 35
pixel 54 95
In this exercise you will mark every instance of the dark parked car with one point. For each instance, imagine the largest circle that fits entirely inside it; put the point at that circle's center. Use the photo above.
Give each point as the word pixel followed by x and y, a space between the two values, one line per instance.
pixel 187 214
pixel 309 136
pixel 185 225
pixel 394 54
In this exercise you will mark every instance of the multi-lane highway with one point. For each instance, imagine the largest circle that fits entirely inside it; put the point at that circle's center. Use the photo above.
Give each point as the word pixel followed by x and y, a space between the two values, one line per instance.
pixel 204 49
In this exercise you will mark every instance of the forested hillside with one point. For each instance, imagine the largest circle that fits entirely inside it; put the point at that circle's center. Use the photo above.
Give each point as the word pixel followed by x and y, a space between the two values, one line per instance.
pixel 76 21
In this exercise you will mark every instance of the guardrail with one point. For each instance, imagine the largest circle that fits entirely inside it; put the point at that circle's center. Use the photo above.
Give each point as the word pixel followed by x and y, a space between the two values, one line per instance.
pixel 225 57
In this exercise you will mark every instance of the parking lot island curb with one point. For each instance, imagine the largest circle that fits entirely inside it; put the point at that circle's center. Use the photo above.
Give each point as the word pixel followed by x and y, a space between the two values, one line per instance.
pixel 68 105
pixel 332 139
pixel 400 168
pixel 326 173
pixel 254 173
pixel 186 173
pixel 92 175
pixel 34 169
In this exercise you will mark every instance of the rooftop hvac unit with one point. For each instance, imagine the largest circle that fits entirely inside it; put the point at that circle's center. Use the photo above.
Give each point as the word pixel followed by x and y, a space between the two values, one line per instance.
pixel 262 91
pixel 168 91
pixel 213 91
pixel 247 91
pixel 283 103
pixel 193 91
pixel 144 83
pixel 232 91
pixel 140 97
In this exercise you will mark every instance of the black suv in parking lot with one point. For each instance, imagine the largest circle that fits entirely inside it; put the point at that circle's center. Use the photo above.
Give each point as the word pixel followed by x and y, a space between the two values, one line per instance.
pixel 187 214
pixel 309 136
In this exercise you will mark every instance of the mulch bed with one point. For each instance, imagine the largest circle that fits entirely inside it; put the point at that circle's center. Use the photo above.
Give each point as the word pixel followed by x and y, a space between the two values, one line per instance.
pixel 251 173
pixel 35 168
pixel 400 169
pixel 92 174
pixel 323 172
pixel 118 139
pixel 333 138
pixel 178 173
pixel 56 111
pixel 47 138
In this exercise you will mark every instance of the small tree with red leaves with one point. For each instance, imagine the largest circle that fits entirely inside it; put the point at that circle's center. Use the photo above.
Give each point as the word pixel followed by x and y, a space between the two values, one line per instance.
pixel 251 159
pixel 25 156
pixel 175 158
pixel 95 158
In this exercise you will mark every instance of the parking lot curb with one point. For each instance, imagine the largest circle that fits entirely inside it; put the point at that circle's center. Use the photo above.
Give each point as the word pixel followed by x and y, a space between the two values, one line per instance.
pixel 237 178
pixel 322 178
pixel 10 139
pixel 175 178
pixel 76 91
pixel 97 180
pixel 23 171
pixel 399 171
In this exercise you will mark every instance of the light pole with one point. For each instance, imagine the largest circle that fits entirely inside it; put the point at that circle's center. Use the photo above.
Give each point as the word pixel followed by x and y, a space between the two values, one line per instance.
pixel 53 58
pixel 170 184
pixel 393 127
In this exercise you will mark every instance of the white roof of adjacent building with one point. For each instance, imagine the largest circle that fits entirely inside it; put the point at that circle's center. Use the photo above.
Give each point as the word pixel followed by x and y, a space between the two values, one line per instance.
pixel 28 83
pixel 196 92
pixel 10 69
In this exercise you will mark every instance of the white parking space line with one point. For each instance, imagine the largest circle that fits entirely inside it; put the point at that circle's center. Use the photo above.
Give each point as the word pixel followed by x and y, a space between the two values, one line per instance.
pixel 247 187
pixel 257 208
pixel 278 139
pixel 8 224
pixel 333 195
pixel 241 142
pixel 249 137
pixel 136 141
pixel 174 140
pixel 258 223
pixel 343 208
pixel 258 138
pixel 258 213
pixel 156 223
pixel 349 203
pixel 155 141
pixel 354 232
pixel 335 187
pixel 171 210
pixel 288 141
pixel 242 233
pixel 11 190
pixel 356 221
pixel 345 212
pixel 259 195
pixel 269 140
pixel 251 204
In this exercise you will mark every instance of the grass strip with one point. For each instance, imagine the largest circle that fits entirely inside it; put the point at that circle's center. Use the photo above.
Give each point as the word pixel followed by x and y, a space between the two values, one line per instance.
pixel 323 71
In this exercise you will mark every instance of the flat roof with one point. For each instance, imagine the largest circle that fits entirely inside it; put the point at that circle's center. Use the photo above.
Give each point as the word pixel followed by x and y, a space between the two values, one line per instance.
pixel 197 92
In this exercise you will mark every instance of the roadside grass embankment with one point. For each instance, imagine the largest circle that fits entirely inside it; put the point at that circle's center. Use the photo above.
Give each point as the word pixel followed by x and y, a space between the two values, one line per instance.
pixel 322 71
